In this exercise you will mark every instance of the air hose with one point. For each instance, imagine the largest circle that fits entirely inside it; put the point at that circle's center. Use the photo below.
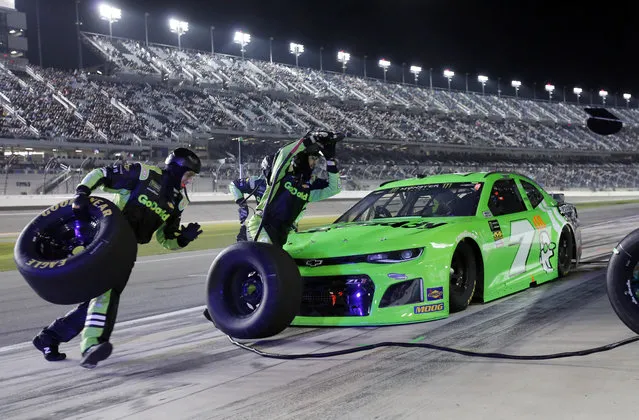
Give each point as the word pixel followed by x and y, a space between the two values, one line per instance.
pixel 470 353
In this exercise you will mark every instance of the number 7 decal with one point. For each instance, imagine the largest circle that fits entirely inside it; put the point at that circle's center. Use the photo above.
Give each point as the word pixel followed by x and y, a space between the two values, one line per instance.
pixel 522 233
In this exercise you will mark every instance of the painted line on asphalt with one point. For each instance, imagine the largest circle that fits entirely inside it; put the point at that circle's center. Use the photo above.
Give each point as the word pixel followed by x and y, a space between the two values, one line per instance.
pixel 124 325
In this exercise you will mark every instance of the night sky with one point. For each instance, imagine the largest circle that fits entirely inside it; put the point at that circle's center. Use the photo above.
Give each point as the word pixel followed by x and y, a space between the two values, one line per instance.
pixel 562 42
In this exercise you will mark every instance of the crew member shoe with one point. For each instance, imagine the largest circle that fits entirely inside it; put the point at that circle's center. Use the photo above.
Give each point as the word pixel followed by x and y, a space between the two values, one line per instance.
pixel 95 354
pixel 207 315
pixel 49 348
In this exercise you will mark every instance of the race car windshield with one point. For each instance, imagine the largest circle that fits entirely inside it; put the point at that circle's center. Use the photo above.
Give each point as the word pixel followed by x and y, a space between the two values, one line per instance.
pixel 430 200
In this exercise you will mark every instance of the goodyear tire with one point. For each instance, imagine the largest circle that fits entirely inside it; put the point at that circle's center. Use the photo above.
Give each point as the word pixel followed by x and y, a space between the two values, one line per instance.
pixel 254 290
pixel 463 277
pixel 622 280
pixel 44 252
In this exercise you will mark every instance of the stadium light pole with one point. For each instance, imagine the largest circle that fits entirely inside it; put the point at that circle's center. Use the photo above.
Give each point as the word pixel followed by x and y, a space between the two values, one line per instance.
pixel 180 28
pixel 627 97
pixel 384 64
pixel 577 91
pixel 365 63
pixel 77 27
pixel 516 84
pixel 448 74
pixel 415 70
pixel 482 79
pixel 564 93
pixel 296 50
pixel 212 40
pixel 242 39
pixel 430 79
pixel 403 73
pixel 603 94
pixel 110 14
pixel 146 28
pixel 499 87
pixel 549 88
pixel 467 82
pixel 343 57
pixel 270 49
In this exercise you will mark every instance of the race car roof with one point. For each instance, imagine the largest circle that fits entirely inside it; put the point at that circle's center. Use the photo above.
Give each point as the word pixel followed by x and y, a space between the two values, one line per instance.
pixel 451 178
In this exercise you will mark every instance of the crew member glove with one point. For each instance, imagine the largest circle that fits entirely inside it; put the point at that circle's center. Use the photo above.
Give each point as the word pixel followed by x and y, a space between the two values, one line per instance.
pixel 188 234
pixel 81 202
pixel 243 212
pixel 328 150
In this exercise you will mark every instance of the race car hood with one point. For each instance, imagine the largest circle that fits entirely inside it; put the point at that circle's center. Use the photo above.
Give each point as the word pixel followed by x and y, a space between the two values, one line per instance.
pixel 343 239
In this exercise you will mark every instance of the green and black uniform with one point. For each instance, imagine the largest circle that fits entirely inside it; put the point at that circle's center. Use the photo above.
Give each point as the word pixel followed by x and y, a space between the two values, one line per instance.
pixel 288 193
pixel 152 203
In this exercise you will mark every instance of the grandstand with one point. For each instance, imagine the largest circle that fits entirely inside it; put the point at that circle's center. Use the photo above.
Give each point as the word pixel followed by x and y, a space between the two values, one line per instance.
pixel 59 124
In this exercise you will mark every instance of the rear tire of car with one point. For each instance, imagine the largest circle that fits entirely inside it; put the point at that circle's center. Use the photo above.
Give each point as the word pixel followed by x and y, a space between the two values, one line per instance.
pixel 463 277
pixel 565 251
pixel 254 290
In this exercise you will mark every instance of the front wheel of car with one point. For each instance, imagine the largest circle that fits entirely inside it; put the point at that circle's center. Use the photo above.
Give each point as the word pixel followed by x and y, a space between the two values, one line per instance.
pixel 463 277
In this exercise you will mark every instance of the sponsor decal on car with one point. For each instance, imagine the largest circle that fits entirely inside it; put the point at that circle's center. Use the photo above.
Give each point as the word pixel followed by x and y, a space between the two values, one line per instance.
pixel 426 309
pixel 434 293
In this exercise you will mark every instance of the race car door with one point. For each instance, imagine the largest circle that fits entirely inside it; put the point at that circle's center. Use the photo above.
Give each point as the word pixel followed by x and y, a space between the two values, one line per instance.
pixel 548 228
pixel 514 235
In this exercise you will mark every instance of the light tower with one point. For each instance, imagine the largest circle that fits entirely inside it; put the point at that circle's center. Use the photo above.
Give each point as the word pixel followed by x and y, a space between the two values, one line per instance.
pixel 384 64
pixel 550 89
pixel 415 70
pixel 180 28
pixel 627 97
pixel 577 91
pixel 603 94
pixel 343 57
pixel 516 84
pixel 110 14
pixel 448 74
pixel 482 79
pixel 296 50
pixel 242 39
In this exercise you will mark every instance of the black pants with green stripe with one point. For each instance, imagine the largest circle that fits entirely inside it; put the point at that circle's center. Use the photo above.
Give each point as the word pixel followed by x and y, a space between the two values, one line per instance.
pixel 94 319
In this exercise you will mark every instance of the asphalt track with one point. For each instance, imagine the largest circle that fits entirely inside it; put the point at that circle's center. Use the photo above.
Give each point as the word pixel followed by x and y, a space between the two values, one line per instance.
pixel 169 362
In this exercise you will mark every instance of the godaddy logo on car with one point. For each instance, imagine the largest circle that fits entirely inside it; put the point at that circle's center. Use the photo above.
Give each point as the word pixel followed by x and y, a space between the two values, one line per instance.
pixel 153 206
pixel 295 191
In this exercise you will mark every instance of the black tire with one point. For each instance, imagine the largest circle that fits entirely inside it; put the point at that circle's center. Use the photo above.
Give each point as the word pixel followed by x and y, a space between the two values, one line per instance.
pixel 463 277
pixel 268 269
pixel 564 253
pixel 43 253
pixel 621 282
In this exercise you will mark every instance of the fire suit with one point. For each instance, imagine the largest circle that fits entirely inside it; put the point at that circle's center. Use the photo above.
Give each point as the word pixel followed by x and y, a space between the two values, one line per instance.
pixel 151 203
pixel 255 185
pixel 288 194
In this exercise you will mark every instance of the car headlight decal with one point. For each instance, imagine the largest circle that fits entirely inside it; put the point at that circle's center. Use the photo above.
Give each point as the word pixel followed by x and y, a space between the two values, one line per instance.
pixel 395 256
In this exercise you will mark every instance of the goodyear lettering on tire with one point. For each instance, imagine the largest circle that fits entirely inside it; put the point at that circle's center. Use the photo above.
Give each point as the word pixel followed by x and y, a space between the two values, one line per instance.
pixel 96 201
pixel 46 264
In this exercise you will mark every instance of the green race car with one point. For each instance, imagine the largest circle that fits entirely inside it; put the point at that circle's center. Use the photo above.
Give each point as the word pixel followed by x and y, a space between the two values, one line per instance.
pixel 418 249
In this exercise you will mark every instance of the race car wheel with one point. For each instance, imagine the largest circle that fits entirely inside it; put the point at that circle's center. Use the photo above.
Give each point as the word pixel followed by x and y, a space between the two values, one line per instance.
pixel 622 280
pixel 565 251
pixel 463 277
pixel 254 290
pixel 68 261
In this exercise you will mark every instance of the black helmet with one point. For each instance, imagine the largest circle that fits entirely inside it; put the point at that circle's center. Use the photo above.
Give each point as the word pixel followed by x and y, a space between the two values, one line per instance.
pixel 267 166
pixel 185 159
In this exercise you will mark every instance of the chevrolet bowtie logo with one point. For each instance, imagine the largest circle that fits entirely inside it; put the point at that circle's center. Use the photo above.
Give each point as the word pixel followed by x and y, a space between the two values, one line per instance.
pixel 313 263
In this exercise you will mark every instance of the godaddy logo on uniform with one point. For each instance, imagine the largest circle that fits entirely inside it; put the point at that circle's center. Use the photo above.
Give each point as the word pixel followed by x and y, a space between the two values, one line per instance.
pixel 153 206
pixel 294 191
